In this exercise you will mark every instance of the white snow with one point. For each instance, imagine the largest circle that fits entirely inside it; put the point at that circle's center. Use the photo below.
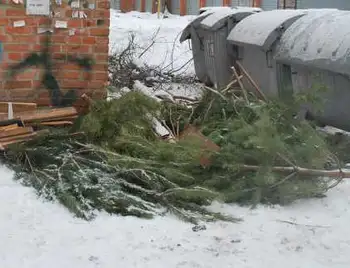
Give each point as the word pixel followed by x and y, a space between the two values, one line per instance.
pixel 219 16
pixel 313 39
pixel 159 37
pixel 255 29
pixel 39 234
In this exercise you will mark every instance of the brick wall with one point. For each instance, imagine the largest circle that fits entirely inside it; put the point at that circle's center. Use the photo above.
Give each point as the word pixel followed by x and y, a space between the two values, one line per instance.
pixel 86 36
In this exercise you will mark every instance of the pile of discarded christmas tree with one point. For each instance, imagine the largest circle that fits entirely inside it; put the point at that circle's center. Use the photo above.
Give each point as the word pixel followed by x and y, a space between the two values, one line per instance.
pixel 238 148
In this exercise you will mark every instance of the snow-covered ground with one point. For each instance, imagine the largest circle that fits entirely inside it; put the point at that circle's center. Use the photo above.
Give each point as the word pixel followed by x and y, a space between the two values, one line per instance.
pixel 38 234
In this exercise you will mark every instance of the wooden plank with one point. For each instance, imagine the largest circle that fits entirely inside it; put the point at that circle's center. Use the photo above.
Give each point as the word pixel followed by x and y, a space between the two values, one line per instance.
pixel 18 137
pixel 65 118
pixel 16 131
pixel 40 122
pixel 4 144
pixel 17 107
pixel 56 123
pixel 46 114
pixel 21 138
pixel 9 127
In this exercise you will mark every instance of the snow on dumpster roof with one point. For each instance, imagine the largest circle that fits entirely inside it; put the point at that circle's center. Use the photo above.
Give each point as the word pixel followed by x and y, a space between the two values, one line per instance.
pixel 213 8
pixel 263 28
pixel 186 33
pixel 320 40
pixel 217 19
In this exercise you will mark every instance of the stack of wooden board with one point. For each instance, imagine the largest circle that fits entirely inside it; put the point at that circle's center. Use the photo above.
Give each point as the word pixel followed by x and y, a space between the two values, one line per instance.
pixel 13 134
pixel 19 121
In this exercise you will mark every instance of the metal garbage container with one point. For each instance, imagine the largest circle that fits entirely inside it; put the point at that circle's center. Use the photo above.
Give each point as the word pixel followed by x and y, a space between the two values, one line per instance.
pixel 218 57
pixel 314 52
pixel 257 36
pixel 194 33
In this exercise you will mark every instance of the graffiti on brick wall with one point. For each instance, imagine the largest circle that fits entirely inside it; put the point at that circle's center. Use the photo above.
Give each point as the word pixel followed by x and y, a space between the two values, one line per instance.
pixel 44 58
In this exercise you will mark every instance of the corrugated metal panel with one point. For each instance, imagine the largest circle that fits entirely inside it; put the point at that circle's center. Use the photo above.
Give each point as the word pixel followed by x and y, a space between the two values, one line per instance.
pixel 192 7
pixel 242 3
pixel 175 7
pixel 115 4
pixel 287 4
pixel 213 3
pixel 245 3
pixel 234 3
pixel 340 4
pixel 269 4
pixel 219 57
pixel 138 5
pixel 149 6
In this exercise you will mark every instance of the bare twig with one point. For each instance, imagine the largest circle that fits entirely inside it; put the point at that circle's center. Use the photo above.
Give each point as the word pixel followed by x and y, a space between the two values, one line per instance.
pixel 303 171
pixel 229 85
pixel 216 92
pixel 250 79
pixel 240 84
pixel 305 225
pixel 151 44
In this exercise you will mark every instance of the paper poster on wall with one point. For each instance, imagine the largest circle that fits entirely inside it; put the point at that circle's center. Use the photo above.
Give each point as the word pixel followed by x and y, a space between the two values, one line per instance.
pixel 38 7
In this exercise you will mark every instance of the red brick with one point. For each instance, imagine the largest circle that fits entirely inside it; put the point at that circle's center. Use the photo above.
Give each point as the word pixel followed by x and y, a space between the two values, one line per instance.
pixel 56 48
pixel 103 4
pixel 102 40
pixel 101 49
pixel 18 84
pixel 59 56
pixel 96 84
pixel 89 23
pixel 19 30
pixel 74 40
pixel 29 74
pixel 15 12
pixel 75 23
pixel 16 47
pixel 4 38
pixel 100 76
pixel 73 84
pixel 4 21
pixel 69 74
pixel 102 58
pixel 43 21
pixel 58 39
pixel 71 66
pixel 24 39
pixel 15 56
pixel 101 14
pixel 89 40
pixel 99 31
pixel 28 21
pixel 100 67
pixel 77 48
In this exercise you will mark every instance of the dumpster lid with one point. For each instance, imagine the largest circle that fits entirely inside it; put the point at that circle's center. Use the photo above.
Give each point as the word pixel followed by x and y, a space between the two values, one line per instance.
pixel 254 9
pixel 217 20
pixel 262 29
pixel 212 8
pixel 186 33
pixel 318 40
